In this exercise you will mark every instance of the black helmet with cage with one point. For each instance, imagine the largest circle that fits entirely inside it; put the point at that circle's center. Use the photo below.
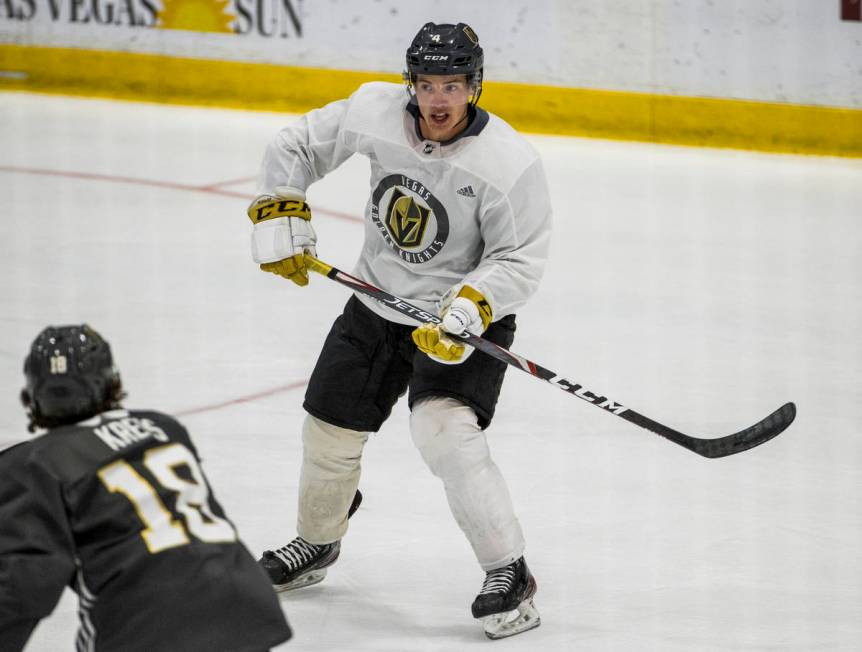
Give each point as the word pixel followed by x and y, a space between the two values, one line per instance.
pixel 446 49
pixel 70 376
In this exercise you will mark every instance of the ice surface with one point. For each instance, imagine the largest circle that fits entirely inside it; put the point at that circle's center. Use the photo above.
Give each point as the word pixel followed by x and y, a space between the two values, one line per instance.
pixel 702 288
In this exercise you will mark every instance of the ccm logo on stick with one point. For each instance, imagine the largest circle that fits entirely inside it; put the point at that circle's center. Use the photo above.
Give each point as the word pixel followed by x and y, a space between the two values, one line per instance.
pixel 587 395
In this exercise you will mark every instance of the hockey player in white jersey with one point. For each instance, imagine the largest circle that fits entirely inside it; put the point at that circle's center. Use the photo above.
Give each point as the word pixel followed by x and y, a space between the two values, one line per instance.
pixel 458 223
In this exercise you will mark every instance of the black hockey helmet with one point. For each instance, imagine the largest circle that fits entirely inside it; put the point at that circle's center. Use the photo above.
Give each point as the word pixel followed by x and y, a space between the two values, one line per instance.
pixel 70 376
pixel 446 49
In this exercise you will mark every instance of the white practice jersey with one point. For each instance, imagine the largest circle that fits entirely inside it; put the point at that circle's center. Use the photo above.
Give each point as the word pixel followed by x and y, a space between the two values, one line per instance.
pixel 475 211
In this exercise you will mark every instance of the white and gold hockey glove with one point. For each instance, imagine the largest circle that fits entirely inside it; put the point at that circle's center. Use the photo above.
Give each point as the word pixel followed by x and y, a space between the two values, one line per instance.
pixel 468 312
pixel 282 233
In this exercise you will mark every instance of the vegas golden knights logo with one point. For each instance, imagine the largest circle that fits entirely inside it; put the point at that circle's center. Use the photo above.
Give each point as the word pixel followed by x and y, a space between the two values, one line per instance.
pixel 406 219
pixel 409 218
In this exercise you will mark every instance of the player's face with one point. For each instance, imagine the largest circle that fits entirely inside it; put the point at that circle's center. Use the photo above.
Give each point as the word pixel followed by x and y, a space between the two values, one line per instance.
pixel 443 101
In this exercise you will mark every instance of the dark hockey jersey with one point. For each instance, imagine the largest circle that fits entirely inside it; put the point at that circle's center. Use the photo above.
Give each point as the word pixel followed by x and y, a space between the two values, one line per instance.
pixel 118 508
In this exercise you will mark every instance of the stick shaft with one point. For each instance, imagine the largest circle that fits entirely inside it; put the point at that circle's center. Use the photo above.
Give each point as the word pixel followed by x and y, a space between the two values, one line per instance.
pixel 761 432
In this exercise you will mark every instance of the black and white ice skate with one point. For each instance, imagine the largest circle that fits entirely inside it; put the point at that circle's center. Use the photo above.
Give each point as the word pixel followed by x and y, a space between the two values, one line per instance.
pixel 299 563
pixel 505 603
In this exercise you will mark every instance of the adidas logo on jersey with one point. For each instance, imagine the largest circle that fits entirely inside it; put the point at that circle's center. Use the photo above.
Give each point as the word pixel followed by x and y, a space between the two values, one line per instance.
pixel 466 191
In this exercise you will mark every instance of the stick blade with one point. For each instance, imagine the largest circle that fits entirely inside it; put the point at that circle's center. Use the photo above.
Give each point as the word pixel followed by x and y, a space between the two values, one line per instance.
pixel 761 432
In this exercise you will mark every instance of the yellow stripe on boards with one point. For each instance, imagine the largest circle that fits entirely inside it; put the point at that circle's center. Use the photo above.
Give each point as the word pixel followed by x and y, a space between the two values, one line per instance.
pixel 678 120
pixel 178 80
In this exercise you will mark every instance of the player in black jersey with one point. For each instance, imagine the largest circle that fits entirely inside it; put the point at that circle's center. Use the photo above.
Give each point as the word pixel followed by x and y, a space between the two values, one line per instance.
pixel 114 504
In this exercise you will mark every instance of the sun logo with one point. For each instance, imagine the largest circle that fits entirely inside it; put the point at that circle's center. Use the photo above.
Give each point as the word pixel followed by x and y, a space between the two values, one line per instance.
pixel 197 16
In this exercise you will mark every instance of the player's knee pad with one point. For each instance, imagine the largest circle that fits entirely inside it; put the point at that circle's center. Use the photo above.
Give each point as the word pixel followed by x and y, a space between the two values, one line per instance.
pixel 448 436
pixel 329 478
pixel 331 448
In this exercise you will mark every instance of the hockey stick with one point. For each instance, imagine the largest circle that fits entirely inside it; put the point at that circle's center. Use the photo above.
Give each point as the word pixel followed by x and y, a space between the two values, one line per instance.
pixel 760 432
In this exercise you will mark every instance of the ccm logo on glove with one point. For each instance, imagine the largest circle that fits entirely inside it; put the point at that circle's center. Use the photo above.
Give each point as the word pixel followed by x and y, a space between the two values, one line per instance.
pixel 267 208
pixel 282 234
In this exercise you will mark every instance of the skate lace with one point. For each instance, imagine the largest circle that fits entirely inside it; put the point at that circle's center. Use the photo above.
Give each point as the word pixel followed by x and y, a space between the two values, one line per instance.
pixel 498 580
pixel 297 553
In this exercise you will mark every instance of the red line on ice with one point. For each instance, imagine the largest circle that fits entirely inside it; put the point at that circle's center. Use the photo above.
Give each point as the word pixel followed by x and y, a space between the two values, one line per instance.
pixel 209 188
pixel 242 399
pixel 213 189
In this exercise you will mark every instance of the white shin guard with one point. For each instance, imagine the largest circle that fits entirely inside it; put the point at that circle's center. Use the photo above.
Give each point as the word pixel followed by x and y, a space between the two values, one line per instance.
pixel 454 447
pixel 328 480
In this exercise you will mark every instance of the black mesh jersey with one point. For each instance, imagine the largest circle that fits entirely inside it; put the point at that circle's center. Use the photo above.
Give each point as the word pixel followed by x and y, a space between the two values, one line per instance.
pixel 118 508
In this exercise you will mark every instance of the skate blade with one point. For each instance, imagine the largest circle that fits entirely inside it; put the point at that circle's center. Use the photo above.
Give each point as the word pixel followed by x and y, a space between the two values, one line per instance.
pixel 312 577
pixel 509 623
